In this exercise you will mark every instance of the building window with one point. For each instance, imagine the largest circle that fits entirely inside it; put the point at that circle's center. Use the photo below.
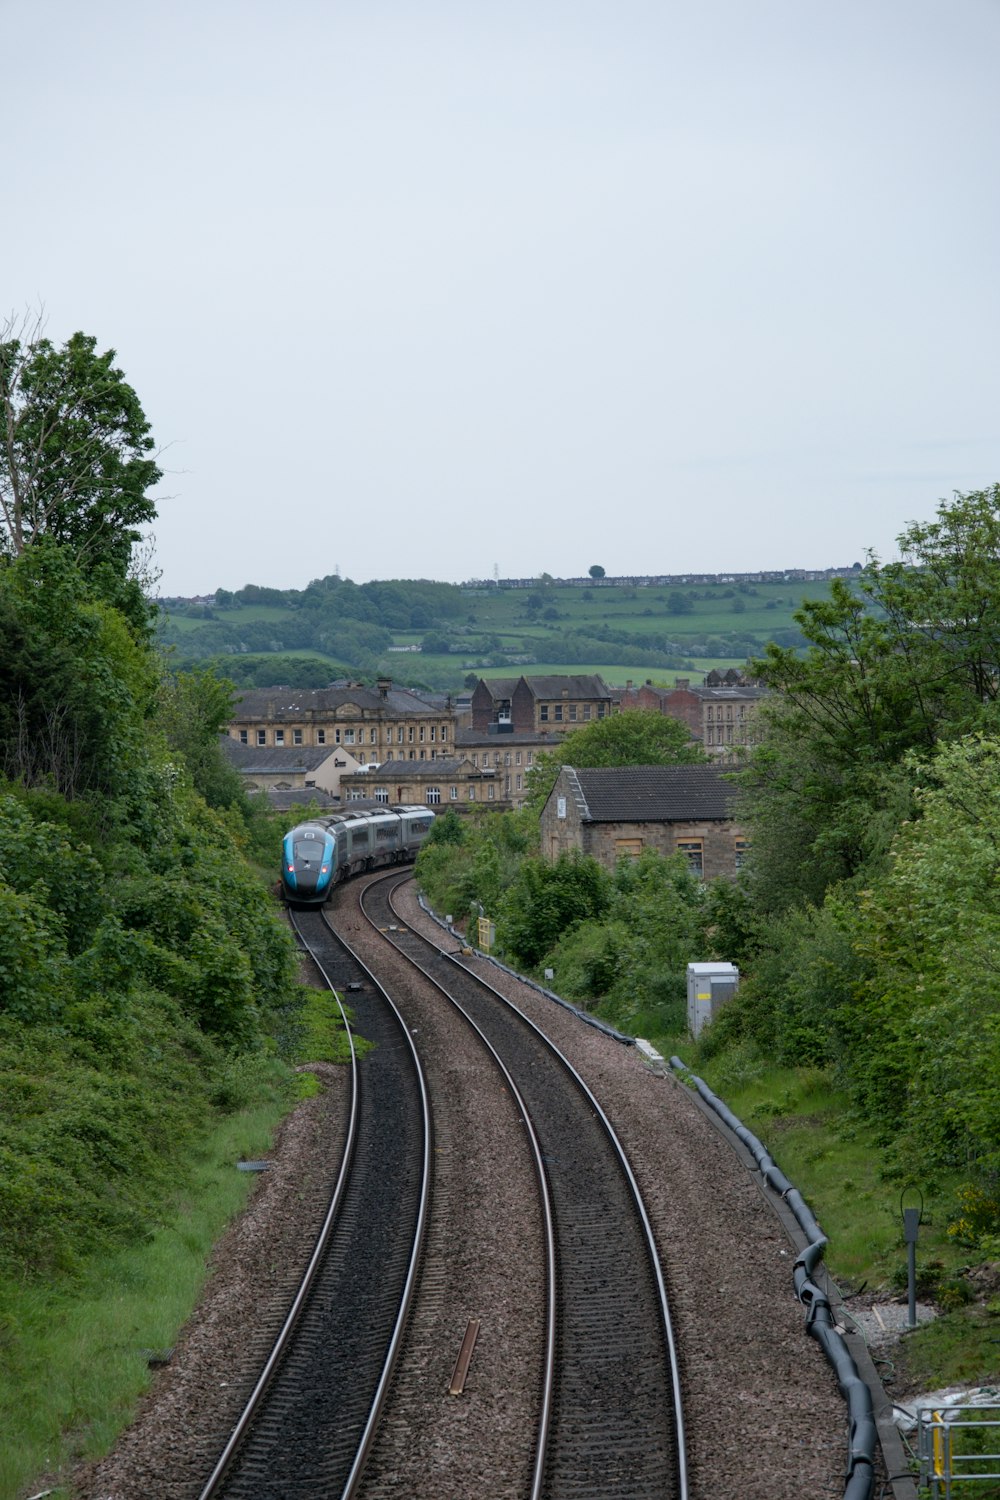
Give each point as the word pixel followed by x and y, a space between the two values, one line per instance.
pixel 543 713
pixel 628 848
pixel 321 736
pixel 601 709
pixel 399 735
pixel 243 736
pixel 381 794
pixel 348 736
pixel 421 734
pixel 409 734
pixel 444 733
pixel 518 780
pixel 472 794
pixel 742 846
pixel 710 735
pixel 517 757
pixel 558 713
pixel 454 793
pixel 262 736
pixel 506 759
pixel 572 713
pixel 492 792
pixel 694 853
pixel 496 757
pixel 530 754
pixel 433 794
pixel 296 736
pixel 433 731
pixel 361 758
pixel 586 710
pixel 279 736
pixel 372 736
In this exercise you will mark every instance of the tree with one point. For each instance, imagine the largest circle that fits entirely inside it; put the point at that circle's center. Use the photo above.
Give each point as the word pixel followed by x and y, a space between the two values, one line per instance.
pixel 637 737
pixel 596 571
pixel 76 454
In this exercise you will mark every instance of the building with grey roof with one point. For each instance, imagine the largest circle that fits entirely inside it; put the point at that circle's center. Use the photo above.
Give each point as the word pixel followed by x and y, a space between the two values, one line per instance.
pixel 616 812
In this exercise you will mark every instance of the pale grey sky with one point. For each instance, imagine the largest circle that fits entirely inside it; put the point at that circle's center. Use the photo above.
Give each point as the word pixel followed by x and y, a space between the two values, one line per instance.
pixel 417 289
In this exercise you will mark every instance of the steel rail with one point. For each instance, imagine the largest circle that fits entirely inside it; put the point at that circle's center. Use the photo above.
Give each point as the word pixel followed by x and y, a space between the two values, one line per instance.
pixel 548 1375
pixel 406 1300
pixel 667 1322
pixel 264 1382
pixel 288 1327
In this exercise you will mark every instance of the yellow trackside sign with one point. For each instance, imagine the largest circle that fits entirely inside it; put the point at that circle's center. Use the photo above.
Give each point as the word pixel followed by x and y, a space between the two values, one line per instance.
pixel 487 934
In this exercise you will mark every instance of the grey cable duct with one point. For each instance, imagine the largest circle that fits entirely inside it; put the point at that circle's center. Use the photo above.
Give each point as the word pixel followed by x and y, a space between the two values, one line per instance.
pixel 820 1322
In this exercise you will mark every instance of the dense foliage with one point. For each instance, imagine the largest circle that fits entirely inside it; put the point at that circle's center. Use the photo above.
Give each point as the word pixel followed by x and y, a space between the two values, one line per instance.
pixel 873 881
pixel 144 974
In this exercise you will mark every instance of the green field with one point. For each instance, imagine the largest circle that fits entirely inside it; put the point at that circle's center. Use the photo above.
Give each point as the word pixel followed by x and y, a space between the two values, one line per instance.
pixel 621 631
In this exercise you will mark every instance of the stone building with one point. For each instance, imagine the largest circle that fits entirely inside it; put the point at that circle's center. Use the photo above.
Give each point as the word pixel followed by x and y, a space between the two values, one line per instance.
pixel 453 782
pixel 372 724
pixel 287 768
pixel 539 705
pixel 720 714
pixel 620 811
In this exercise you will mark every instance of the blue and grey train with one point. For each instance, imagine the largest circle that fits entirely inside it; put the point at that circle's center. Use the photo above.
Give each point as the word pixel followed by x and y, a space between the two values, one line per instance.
pixel 317 855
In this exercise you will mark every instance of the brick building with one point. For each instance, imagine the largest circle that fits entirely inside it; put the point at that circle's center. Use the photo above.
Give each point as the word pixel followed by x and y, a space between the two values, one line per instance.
pixel 618 811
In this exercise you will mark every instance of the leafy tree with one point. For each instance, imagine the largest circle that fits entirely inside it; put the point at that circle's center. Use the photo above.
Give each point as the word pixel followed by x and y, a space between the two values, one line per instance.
pixel 546 900
pixel 596 571
pixel 194 709
pixel 637 737
pixel 76 452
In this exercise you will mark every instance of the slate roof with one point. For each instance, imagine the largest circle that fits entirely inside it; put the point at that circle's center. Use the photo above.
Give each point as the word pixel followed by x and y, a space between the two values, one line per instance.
pixel 652 794
pixel 440 769
pixel 587 685
pixel 267 759
pixel 277 703
pixel 301 796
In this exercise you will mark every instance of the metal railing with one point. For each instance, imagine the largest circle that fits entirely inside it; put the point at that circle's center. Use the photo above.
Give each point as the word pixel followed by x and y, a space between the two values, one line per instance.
pixel 958 1448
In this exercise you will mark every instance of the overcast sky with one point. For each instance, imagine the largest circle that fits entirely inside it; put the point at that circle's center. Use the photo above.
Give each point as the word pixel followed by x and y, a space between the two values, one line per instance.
pixel 424 288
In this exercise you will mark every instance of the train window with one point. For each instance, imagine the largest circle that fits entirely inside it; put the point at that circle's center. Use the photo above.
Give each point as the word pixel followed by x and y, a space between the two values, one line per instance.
pixel 309 849
pixel 359 836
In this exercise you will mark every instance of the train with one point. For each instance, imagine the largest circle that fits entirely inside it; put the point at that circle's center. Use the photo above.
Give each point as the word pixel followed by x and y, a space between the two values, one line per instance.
pixel 319 854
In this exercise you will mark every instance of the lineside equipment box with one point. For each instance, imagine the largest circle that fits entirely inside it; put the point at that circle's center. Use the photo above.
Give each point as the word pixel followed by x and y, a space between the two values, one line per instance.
pixel 709 987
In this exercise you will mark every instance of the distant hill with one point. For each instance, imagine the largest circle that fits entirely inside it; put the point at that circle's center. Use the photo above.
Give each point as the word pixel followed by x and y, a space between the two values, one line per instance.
pixel 435 635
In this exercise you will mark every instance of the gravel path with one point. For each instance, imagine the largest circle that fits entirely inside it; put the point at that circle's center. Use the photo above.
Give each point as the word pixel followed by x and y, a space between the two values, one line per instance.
pixel 763 1412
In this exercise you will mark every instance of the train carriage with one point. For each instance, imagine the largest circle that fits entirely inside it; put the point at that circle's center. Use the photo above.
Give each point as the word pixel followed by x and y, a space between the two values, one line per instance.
pixel 318 854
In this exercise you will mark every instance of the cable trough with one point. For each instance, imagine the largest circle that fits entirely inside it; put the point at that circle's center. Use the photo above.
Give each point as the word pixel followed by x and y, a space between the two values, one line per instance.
pixel 820 1321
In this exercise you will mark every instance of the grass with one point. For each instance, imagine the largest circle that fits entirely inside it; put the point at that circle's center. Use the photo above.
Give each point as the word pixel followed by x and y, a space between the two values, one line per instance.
pixel 74 1354
pixel 809 1129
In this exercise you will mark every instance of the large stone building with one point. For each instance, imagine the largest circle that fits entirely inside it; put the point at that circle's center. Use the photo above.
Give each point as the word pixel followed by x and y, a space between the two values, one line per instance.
pixel 620 811
pixel 539 705
pixel 373 724
pixel 281 768
pixel 720 714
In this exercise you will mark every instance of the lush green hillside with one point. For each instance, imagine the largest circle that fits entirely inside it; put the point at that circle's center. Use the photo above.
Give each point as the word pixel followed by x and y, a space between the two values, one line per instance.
pixel 436 634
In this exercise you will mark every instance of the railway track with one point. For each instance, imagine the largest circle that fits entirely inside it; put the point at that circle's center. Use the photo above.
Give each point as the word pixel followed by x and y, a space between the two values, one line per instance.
pixel 310 1420
pixel 610 1420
